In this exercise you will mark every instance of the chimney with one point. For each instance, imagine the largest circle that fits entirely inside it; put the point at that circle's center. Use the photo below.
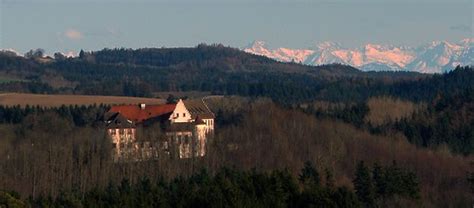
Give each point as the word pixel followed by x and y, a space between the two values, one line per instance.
pixel 142 106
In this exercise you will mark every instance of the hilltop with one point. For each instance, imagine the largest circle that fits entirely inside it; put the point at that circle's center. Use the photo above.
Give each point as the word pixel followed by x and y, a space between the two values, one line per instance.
pixel 210 68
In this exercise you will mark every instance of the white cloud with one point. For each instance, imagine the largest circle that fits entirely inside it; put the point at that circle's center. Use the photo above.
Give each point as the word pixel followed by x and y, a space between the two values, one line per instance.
pixel 73 34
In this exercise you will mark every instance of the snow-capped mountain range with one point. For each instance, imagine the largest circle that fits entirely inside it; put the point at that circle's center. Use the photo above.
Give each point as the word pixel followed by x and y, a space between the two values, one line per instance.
pixel 435 57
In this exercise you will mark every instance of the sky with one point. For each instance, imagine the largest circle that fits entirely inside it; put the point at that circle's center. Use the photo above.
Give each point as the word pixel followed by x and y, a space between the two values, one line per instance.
pixel 72 25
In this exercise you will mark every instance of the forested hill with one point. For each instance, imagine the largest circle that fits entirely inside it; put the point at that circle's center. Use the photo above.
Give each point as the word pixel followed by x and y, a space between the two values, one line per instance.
pixel 205 57
pixel 376 139
pixel 224 58
pixel 215 69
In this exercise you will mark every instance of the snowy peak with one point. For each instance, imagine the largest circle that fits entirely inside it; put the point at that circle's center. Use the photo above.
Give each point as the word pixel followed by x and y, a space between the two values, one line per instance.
pixel 257 44
pixel 434 57
pixel 280 54
pixel 259 48
pixel 437 56
pixel 467 41
pixel 388 55
pixel 292 55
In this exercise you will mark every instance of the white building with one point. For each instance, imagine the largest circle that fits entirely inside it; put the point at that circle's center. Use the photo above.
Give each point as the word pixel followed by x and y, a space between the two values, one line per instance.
pixel 187 126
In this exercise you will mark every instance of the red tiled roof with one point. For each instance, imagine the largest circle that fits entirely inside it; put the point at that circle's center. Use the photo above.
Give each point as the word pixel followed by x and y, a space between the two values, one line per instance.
pixel 138 115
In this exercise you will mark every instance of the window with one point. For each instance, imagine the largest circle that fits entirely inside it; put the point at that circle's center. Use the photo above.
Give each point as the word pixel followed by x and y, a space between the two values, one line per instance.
pixel 121 131
pixel 184 114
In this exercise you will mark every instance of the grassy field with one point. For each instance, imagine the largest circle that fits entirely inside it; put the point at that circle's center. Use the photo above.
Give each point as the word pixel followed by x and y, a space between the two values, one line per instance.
pixel 10 99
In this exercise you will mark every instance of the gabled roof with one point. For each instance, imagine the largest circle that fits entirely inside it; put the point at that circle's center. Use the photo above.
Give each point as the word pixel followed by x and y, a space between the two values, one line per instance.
pixel 198 108
pixel 136 114
pixel 118 121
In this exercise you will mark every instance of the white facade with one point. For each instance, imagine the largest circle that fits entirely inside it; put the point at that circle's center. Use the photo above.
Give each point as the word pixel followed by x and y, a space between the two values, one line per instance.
pixel 123 139
pixel 180 114
pixel 209 124
pixel 201 130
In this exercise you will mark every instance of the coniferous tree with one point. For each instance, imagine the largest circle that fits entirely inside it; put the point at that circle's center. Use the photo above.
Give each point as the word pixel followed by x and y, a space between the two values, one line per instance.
pixel 309 176
pixel 470 180
pixel 82 54
pixel 330 182
pixel 171 99
pixel 11 199
pixel 343 197
pixel 363 185
pixel 379 180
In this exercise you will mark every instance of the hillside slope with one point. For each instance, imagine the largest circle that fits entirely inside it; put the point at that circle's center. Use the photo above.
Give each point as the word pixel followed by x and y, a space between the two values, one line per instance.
pixel 216 69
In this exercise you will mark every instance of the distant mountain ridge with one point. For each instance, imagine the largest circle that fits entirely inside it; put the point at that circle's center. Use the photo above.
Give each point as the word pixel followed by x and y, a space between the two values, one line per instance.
pixel 435 57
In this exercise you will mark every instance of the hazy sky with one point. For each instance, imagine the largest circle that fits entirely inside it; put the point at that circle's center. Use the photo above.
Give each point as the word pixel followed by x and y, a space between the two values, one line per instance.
pixel 71 25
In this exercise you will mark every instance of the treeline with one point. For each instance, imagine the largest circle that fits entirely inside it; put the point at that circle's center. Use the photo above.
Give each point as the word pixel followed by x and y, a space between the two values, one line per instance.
pixel 219 70
pixel 291 136
pixel 201 54
pixel 383 183
pixel 79 115
pixel 447 120
pixel 234 188
pixel 47 156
